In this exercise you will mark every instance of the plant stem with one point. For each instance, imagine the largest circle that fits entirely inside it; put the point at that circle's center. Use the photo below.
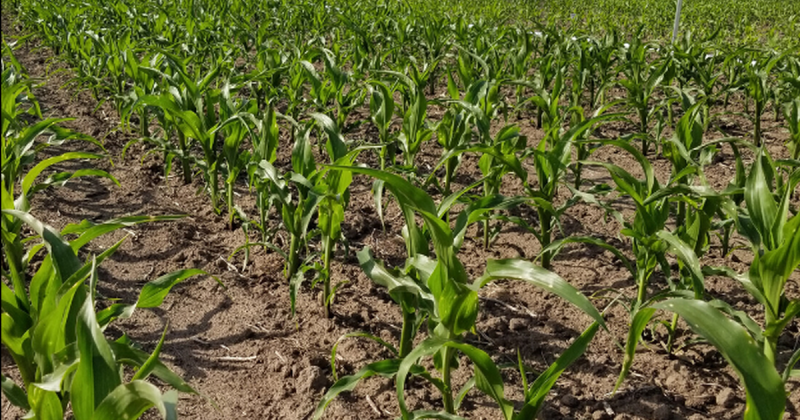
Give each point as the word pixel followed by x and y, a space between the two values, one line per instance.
pixel 642 282
pixel 447 392
pixel 757 122
pixel 214 185
pixel 771 341
pixel 407 333
pixel 546 222
pixel 229 201
pixel 672 333
pixel 187 171
pixel 294 258
pixel 327 245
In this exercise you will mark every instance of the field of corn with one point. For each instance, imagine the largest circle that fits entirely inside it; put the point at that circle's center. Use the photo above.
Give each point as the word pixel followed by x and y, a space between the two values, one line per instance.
pixel 349 209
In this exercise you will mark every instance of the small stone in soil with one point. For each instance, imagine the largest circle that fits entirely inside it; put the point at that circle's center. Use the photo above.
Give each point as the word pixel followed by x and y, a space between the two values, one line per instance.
pixel 662 413
pixel 600 415
pixel 310 379
pixel 726 398
pixel 516 324
pixel 569 401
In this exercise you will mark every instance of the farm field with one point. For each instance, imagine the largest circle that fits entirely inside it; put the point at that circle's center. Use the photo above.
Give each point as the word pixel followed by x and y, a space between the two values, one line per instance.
pixel 480 210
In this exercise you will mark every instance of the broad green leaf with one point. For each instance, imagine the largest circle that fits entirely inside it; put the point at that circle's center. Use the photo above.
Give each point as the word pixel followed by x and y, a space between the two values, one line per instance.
pixel 386 368
pixel 766 398
pixel 639 322
pixel 14 393
pixel 516 269
pixel 130 401
pixel 97 374
pixel 154 292
pixel 760 203
pixel 685 253
pixel 34 172
pixel 64 258
pixel 130 356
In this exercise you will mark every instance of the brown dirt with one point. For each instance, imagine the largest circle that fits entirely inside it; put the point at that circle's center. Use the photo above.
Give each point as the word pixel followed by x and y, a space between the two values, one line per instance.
pixel 285 367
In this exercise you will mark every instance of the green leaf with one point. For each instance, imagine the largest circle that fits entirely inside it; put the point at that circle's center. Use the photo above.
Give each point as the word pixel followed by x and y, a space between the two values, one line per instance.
pixel 760 204
pixel 154 292
pixel 357 334
pixel 516 269
pixel 14 393
pixel 97 374
pixel 539 390
pixel 686 254
pixel 30 177
pixel 64 258
pixel 487 375
pixel 385 368
pixel 766 398
pixel 639 322
pixel 129 401
pixel 130 356
pixel 428 414
pixel 147 367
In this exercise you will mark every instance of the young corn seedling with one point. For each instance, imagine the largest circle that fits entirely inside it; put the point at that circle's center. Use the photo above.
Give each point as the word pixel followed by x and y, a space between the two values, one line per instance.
pixel 696 65
pixel 414 130
pixel 483 105
pixel 759 87
pixel 234 133
pixel 552 159
pixel 187 96
pixel 265 146
pixel 381 110
pixel 791 112
pixel 295 208
pixel 55 336
pixel 455 309
pixel 204 128
pixel 331 192
pixel 317 191
pixel 453 133
pixel 641 83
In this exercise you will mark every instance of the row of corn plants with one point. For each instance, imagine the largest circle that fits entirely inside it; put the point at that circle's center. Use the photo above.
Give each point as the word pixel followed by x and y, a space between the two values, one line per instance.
pixel 52 324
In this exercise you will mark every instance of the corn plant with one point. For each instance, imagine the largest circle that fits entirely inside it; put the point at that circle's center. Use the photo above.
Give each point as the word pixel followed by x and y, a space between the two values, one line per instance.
pixel 759 89
pixel 414 130
pixel 265 145
pixel 455 306
pixel 331 192
pixel 791 112
pixel 773 237
pixel 694 63
pixel 552 159
pixel 642 79
pixel 54 334
pixel 749 348
pixel 453 133
pixel 204 128
pixel 296 209
pixel 235 128
pixel 381 110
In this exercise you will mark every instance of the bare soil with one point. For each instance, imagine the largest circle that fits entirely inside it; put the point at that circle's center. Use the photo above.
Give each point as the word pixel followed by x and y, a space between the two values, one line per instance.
pixel 240 347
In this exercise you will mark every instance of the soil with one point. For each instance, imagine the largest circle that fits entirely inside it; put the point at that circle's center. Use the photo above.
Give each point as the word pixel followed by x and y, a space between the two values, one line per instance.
pixel 240 347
